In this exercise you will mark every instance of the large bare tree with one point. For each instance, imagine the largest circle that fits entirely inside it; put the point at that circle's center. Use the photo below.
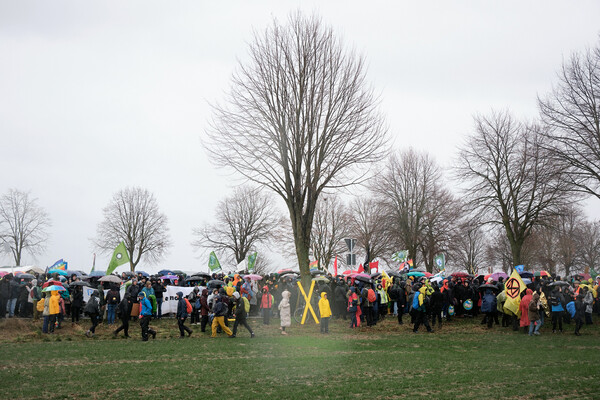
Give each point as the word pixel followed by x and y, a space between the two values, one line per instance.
pixel 299 118
pixel 406 188
pixel 132 216
pixel 509 179
pixel 23 225
pixel 244 220
pixel 589 244
pixel 572 112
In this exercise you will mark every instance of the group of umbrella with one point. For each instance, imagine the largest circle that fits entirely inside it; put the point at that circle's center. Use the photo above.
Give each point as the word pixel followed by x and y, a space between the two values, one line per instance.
pixel 438 296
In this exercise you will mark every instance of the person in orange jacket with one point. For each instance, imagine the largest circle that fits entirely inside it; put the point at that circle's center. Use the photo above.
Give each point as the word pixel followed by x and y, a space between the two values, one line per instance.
pixel 265 304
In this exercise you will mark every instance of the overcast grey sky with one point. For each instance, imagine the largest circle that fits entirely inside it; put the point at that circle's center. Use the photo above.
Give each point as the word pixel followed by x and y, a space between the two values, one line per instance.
pixel 97 96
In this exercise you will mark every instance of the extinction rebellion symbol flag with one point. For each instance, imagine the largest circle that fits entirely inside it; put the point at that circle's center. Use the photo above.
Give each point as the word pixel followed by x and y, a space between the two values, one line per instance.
pixel 513 287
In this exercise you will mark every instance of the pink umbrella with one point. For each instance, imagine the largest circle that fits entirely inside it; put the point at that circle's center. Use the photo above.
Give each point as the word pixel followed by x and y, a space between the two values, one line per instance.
pixel 349 272
pixel 363 275
pixel 2 273
pixel 253 277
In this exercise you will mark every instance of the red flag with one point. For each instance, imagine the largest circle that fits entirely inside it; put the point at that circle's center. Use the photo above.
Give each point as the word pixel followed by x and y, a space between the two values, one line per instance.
pixel 360 269
pixel 374 264
pixel 335 267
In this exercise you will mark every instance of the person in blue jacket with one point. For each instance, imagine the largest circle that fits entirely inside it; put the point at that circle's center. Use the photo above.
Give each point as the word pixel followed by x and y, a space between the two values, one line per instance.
pixel 145 317
pixel 489 308
pixel 556 303
pixel 182 315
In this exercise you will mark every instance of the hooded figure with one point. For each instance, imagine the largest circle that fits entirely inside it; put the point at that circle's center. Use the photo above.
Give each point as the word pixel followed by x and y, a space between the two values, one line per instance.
pixel 92 308
pixel 145 316
pixel 124 311
pixel 354 308
pixel 182 315
pixel 285 311
pixel 524 308
pixel 420 309
pixel 325 312
pixel 265 304
pixel 241 314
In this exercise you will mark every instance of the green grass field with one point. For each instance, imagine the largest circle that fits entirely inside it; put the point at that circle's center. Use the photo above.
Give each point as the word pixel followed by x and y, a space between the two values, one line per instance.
pixel 462 360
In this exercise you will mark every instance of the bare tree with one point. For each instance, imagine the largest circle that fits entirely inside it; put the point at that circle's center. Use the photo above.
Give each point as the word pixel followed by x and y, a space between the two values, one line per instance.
pixel 244 220
pixel 23 225
pixel 299 119
pixel 567 224
pixel 132 216
pixel 441 214
pixel 468 248
pixel 406 187
pixel 588 238
pixel 330 227
pixel 510 179
pixel 572 111
pixel 370 228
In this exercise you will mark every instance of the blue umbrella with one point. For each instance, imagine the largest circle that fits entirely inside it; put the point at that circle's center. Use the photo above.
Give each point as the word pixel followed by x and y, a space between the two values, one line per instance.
pixel 526 274
pixel 58 271
pixel 143 273
pixel 97 274
pixel 416 273
pixel 76 272
pixel 52 288
pixel 165 272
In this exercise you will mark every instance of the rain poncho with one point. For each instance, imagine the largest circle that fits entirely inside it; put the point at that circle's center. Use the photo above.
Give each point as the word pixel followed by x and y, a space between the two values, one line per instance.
pixel 324 308
pixel 54 306
pixel 284 309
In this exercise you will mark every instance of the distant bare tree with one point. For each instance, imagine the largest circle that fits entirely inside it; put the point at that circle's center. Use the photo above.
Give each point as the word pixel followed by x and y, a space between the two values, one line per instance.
pixel 23 225
pixel 572 111
pixel 330 227
pixel 406 187
pixel 441 214
pixel 369 226
pixel 588 239
pixel 244 220
pixel 567 224
pixel 300 118
pixel 468 250
pixel 510 179
pixel 132 216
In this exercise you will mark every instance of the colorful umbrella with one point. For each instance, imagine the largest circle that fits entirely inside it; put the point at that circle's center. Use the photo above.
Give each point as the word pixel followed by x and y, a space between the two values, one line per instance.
pixel 428 274
pixel 58 271
pixel 541 273
pixel 53 288
pixel 416 273
pixel 50 283
pixel 459 274
pixel 171 277
pixel 321 279
pixel 253 277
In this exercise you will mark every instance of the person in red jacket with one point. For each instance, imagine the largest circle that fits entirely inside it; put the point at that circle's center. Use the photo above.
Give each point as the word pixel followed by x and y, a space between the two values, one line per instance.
pixel 265 304
pixel 524 308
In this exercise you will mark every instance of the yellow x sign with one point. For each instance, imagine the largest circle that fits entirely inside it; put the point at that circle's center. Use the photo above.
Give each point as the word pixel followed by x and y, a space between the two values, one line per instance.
pixel 307 300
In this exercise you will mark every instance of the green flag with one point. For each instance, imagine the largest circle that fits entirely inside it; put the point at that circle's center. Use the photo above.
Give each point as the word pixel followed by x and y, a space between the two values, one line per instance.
pixel 440 261
pixel 400 256
pixel 119 257
pixel 213 263
pixel 251 262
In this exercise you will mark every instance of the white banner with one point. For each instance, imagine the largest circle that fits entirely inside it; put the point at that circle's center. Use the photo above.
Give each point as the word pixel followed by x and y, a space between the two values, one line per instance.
pixel 169 304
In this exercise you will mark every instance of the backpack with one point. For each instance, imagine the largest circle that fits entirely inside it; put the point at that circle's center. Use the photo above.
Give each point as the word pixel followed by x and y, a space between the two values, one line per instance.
pixel 554 301
pixel 371 296
pixel 246 304
pixel 188 306
pixel 353 307
pixel 415 302
pixel 92 306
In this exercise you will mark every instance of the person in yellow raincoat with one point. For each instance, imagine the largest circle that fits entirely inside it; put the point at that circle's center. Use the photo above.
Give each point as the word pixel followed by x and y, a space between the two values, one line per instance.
pixel 53 309
pixel 325 312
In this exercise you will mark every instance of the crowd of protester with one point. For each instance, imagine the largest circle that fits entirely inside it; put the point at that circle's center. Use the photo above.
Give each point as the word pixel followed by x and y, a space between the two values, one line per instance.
pixel 218 301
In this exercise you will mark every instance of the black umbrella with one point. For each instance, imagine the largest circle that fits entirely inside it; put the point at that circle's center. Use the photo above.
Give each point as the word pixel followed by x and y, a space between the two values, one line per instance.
pixel 363 279
pixel 559 283
pixel 202 274
pixel 25 276
pixel 396 274
pixel 195 278
pixel 178 272
pixel 80 283
pixel 488 286
pixel 215 283
pixel 376 275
